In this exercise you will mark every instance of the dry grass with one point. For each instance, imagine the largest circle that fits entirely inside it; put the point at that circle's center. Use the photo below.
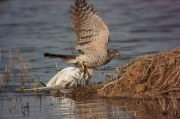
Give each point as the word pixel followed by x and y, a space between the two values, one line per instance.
pixel 149 75
pixel 16 61
pixel 1 81
pixel 21 64
pixel 70 45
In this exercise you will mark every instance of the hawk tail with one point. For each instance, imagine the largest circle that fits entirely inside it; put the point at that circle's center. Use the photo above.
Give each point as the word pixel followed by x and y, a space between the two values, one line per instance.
pixel 66 58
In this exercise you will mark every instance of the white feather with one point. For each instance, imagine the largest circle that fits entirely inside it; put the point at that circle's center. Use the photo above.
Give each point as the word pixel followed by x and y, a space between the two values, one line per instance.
pixel 66 77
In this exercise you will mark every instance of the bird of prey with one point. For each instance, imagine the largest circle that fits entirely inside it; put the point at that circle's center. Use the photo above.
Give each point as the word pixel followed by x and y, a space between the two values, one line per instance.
pixel 92 36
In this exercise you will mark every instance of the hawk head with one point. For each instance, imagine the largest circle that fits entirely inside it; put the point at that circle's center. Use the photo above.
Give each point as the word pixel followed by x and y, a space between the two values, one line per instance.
pixel 112 53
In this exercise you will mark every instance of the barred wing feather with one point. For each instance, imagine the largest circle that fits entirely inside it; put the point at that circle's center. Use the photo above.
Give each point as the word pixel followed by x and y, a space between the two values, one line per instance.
pixel 89 28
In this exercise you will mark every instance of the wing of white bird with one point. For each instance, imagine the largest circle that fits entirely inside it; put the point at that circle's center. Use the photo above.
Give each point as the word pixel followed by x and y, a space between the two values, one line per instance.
pixel 65 76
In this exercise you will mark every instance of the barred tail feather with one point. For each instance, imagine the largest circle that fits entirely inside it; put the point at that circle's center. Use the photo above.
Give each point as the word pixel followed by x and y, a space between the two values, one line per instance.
pixel 67 58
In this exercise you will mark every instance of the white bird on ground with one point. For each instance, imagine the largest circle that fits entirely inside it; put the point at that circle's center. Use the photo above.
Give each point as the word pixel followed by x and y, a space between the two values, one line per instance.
pixel 67 77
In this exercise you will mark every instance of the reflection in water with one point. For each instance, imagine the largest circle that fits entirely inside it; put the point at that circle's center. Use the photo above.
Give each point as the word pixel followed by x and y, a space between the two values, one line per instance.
pixel 14 105
pixel 98 109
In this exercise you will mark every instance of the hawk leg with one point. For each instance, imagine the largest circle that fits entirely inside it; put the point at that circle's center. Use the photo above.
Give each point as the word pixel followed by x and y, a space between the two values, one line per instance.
pixel 83 69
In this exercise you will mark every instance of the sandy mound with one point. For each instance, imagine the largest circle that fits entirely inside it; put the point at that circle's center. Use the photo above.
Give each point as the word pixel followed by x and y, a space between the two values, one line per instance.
pixel 146 76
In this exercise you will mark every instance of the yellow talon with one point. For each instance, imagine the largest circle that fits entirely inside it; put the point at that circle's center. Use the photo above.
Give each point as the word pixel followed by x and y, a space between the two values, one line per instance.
pixel 83 69
pixel 82 65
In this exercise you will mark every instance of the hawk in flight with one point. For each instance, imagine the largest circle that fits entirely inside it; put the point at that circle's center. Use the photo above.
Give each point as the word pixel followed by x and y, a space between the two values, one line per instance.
pixel 92 37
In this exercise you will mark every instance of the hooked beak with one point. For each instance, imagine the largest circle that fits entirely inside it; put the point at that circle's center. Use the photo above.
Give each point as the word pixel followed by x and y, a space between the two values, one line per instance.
pixel 118 54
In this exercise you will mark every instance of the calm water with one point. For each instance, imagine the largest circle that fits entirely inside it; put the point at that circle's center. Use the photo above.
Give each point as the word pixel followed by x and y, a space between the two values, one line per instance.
pixel 137 27
pixel 25 106
pixel 37 106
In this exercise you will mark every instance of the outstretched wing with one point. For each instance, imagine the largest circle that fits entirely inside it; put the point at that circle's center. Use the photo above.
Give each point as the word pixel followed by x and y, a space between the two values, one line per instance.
pixel 91 31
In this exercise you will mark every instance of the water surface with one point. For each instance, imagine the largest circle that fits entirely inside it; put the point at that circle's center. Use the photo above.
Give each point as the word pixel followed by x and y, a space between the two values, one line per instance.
pixel 137 27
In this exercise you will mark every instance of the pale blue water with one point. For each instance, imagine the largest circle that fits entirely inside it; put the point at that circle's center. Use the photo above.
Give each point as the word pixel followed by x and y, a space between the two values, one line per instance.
pixel 137 27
